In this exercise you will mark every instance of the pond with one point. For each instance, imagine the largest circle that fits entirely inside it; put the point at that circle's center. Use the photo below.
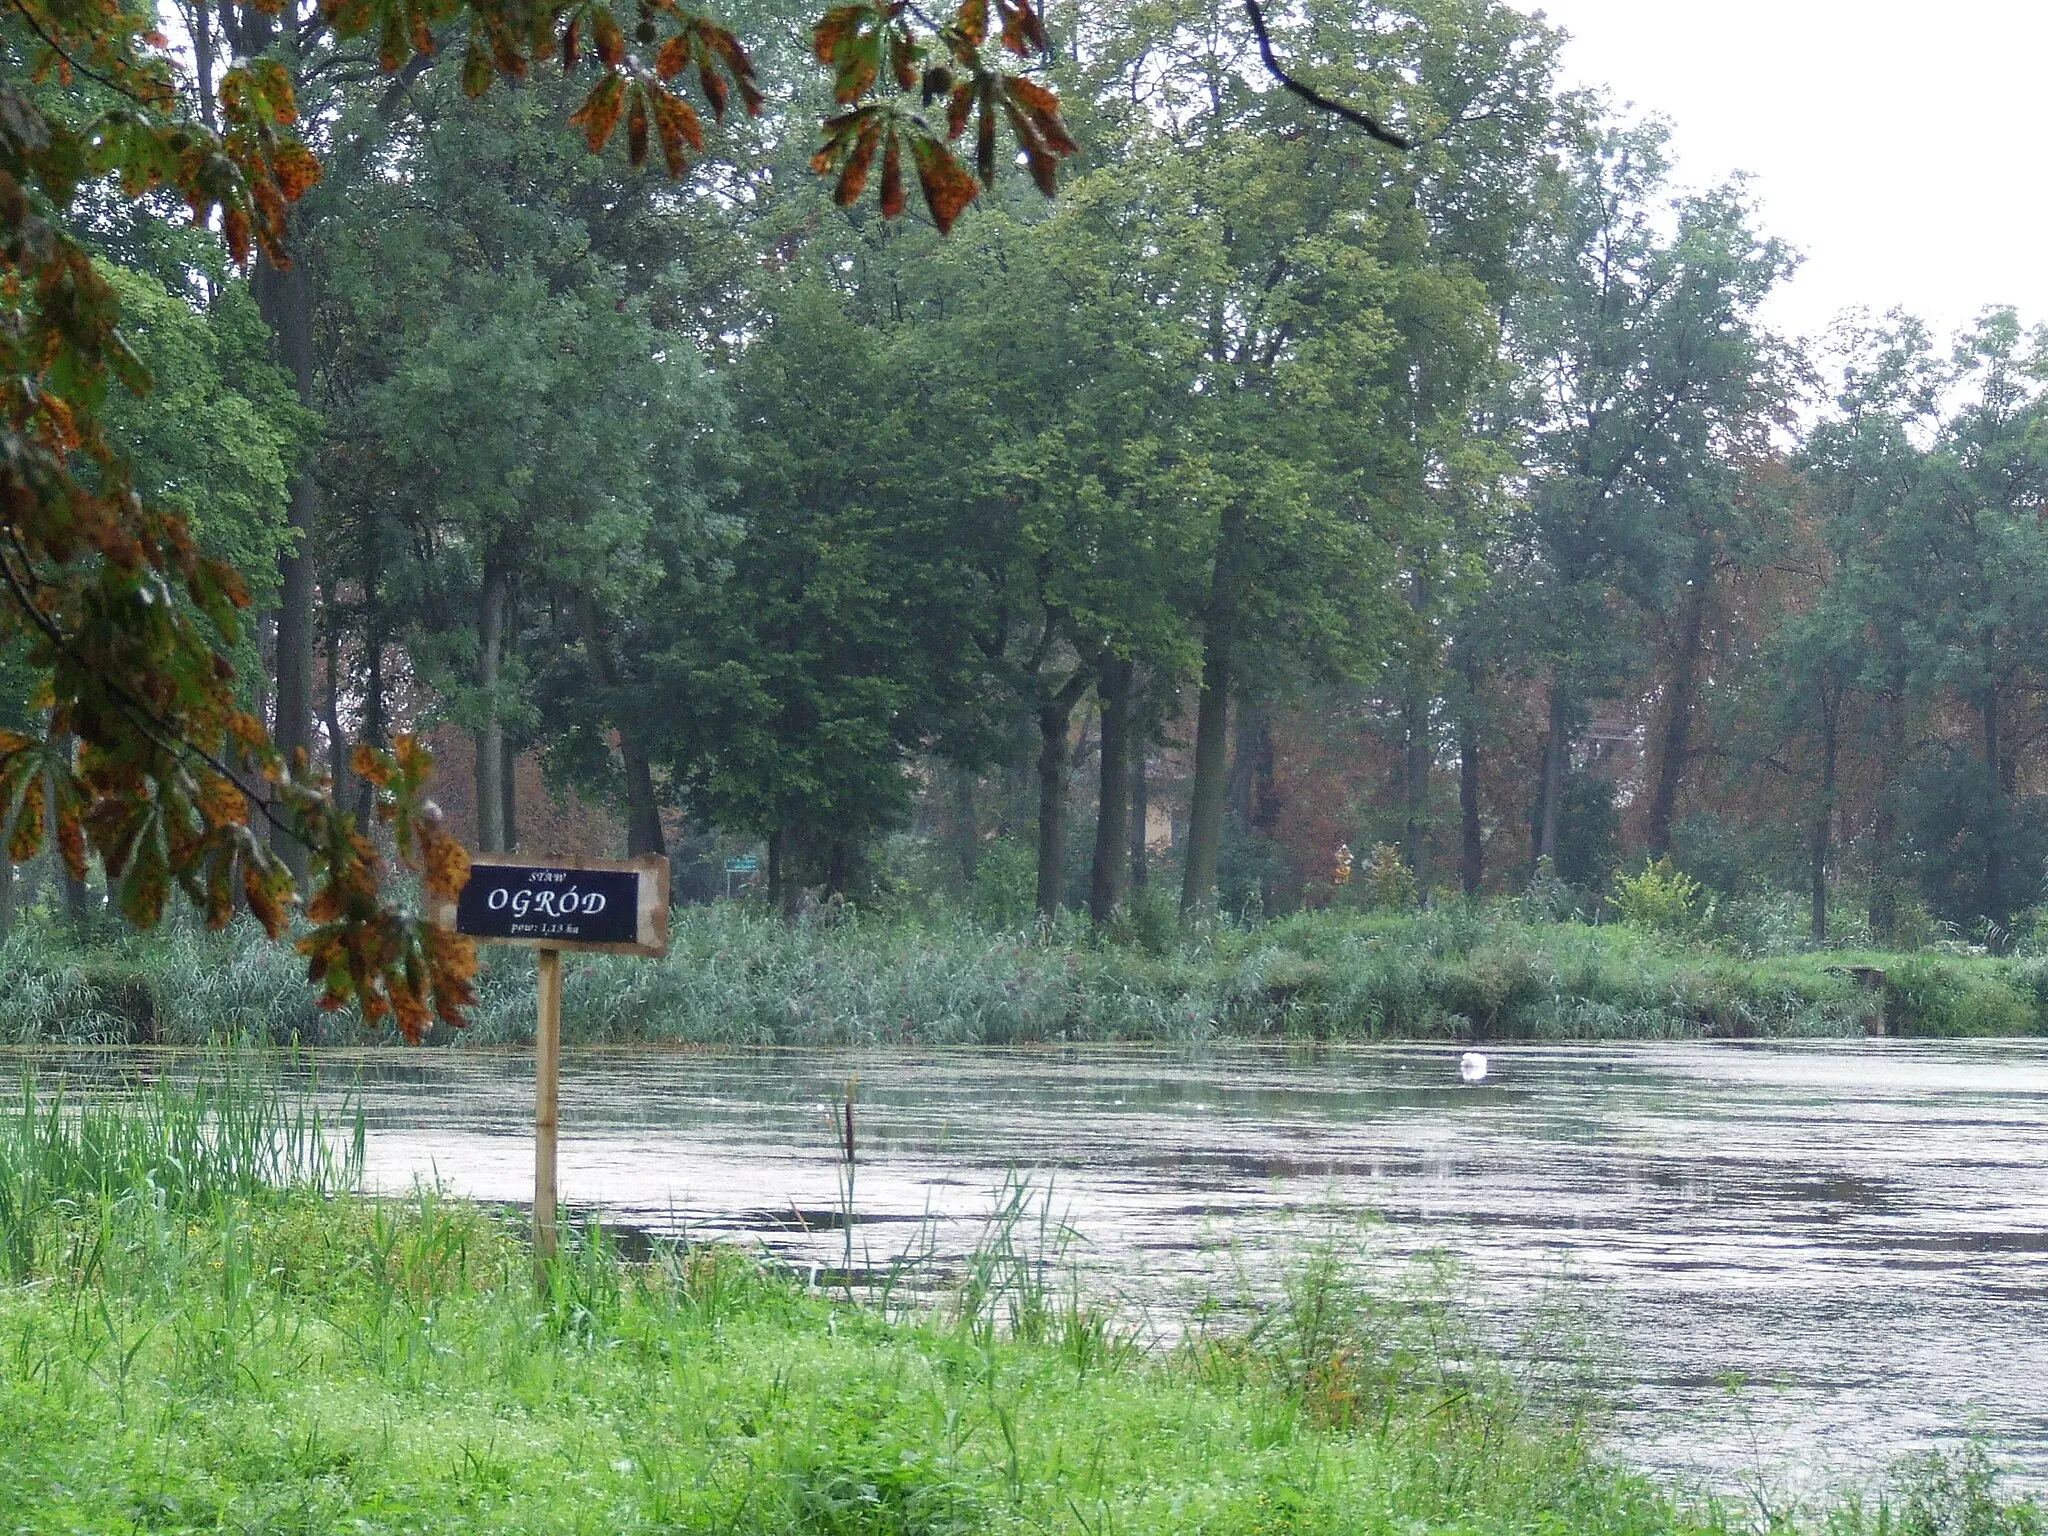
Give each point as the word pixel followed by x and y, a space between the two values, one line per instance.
pixel 1795 1259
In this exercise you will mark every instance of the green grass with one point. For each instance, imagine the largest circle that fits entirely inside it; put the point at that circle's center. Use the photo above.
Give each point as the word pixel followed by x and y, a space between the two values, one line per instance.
pixel 740 977
pixel 229 1355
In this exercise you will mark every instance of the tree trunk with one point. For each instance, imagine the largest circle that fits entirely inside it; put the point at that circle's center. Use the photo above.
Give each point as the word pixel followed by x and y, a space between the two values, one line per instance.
pixel 964 826
pixel 375 727
pixel 1212 717
pixel 1824 812
pixel 1994 832
pixel 285 299
pixel 1550 789
pixel 203 64
pixel 337 746
pixel 490 735
pixel 1205 803
pixel 1472 867
pixel 1252 740
pixel 1141 810
pixel 792 885
pixel 1684 697
pixel 1415 789
pixel 776 873
pixel 838 868
pixel 1884 829
pixel 1111 867
pixel 1052 802
pixel 643 808
pixel 508 785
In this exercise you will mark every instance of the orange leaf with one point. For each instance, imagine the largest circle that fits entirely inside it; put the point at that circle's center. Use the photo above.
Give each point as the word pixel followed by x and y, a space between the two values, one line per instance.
pixel 234 228
pixel 611 41
pixel 678 125
pixel 636 129
pixel 712 86
pixel 296 170
pixel 947 187
pixel 27 840
pixel 834 28
pixel 853 180
pixel 892 177
pixel 599 114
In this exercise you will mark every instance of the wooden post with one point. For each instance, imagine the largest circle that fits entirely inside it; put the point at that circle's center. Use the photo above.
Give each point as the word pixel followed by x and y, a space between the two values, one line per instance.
pixel 547 1072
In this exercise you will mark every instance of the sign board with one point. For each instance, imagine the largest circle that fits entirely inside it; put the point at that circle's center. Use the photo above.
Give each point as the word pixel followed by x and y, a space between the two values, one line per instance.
pixel 611 906
pixel 745 864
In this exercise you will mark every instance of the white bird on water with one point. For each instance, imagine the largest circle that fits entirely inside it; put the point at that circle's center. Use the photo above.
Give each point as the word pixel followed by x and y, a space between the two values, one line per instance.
pixel 1472 1067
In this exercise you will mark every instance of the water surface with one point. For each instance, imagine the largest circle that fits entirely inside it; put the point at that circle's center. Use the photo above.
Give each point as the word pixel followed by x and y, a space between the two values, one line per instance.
pixel 1798 1256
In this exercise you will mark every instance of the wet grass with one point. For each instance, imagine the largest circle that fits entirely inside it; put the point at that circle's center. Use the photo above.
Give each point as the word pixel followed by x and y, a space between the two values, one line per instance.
pixel 192 1345
pixel 744 978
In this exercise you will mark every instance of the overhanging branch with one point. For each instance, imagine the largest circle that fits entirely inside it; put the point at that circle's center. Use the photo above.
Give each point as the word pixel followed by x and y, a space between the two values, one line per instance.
pixel 1311 95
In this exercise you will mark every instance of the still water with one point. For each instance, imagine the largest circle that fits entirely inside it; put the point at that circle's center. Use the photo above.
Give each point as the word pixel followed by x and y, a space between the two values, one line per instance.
pixel 1795 1259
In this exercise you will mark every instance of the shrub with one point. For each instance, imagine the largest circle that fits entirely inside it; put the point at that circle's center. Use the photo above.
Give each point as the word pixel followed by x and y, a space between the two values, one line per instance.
pixel 1388 882
pixel 1006 884
pixel 1662 899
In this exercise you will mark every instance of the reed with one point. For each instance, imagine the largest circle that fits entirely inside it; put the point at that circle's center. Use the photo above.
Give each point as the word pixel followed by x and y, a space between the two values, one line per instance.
pixel 737 977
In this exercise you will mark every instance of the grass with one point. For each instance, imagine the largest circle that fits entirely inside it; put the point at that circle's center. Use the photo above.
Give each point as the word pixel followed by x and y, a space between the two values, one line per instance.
pixel 221 1354
pixel 743 978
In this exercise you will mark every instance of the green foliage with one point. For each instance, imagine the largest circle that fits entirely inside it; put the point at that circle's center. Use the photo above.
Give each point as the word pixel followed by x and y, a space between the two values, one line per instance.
pixel 218 437
pixel 1661 898
pixel 1588 832
pixel 1005 884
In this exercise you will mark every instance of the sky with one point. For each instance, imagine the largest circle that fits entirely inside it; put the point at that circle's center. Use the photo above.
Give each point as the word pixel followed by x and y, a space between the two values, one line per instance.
pixel 1902 149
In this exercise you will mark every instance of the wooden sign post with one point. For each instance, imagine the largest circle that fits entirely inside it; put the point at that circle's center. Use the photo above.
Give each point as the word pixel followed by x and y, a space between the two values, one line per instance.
pixel 606 906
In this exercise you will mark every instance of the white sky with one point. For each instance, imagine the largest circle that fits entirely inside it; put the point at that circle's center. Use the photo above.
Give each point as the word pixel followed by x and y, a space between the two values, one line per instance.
pixel 1901 148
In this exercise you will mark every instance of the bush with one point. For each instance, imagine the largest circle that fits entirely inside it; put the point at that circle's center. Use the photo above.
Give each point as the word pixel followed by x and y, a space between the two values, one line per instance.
pixel 1387 882
pixel 1661 899
pixel 1006 884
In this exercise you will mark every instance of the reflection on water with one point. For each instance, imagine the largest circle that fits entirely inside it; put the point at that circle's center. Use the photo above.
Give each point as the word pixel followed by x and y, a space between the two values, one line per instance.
pixel 1854 1230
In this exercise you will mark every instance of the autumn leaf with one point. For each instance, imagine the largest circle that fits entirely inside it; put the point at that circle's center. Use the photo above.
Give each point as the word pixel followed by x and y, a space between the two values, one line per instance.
pixel 677 125
pixel 611 40
pixel 636 129
pixel 476 72
pixel 892 177
pixel 853 178
pixel 296 170
pixel 599 114
pixel 947 187
pixel 1023 29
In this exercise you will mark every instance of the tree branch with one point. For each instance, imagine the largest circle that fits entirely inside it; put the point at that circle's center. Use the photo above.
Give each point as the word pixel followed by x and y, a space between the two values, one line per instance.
pixel 63 53
pixel 1311 95
pixel 165 734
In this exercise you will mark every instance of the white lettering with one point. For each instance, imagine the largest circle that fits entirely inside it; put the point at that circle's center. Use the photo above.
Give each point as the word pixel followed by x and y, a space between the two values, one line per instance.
pixel 594 903
pixel 498 898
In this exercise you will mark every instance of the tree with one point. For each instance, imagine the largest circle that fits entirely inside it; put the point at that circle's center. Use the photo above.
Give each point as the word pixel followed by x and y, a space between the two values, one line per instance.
pixel 1649 379
pixel 116 598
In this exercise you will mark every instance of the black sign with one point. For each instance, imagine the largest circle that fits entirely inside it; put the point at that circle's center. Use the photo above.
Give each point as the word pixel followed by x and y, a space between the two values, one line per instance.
pixel 572 906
